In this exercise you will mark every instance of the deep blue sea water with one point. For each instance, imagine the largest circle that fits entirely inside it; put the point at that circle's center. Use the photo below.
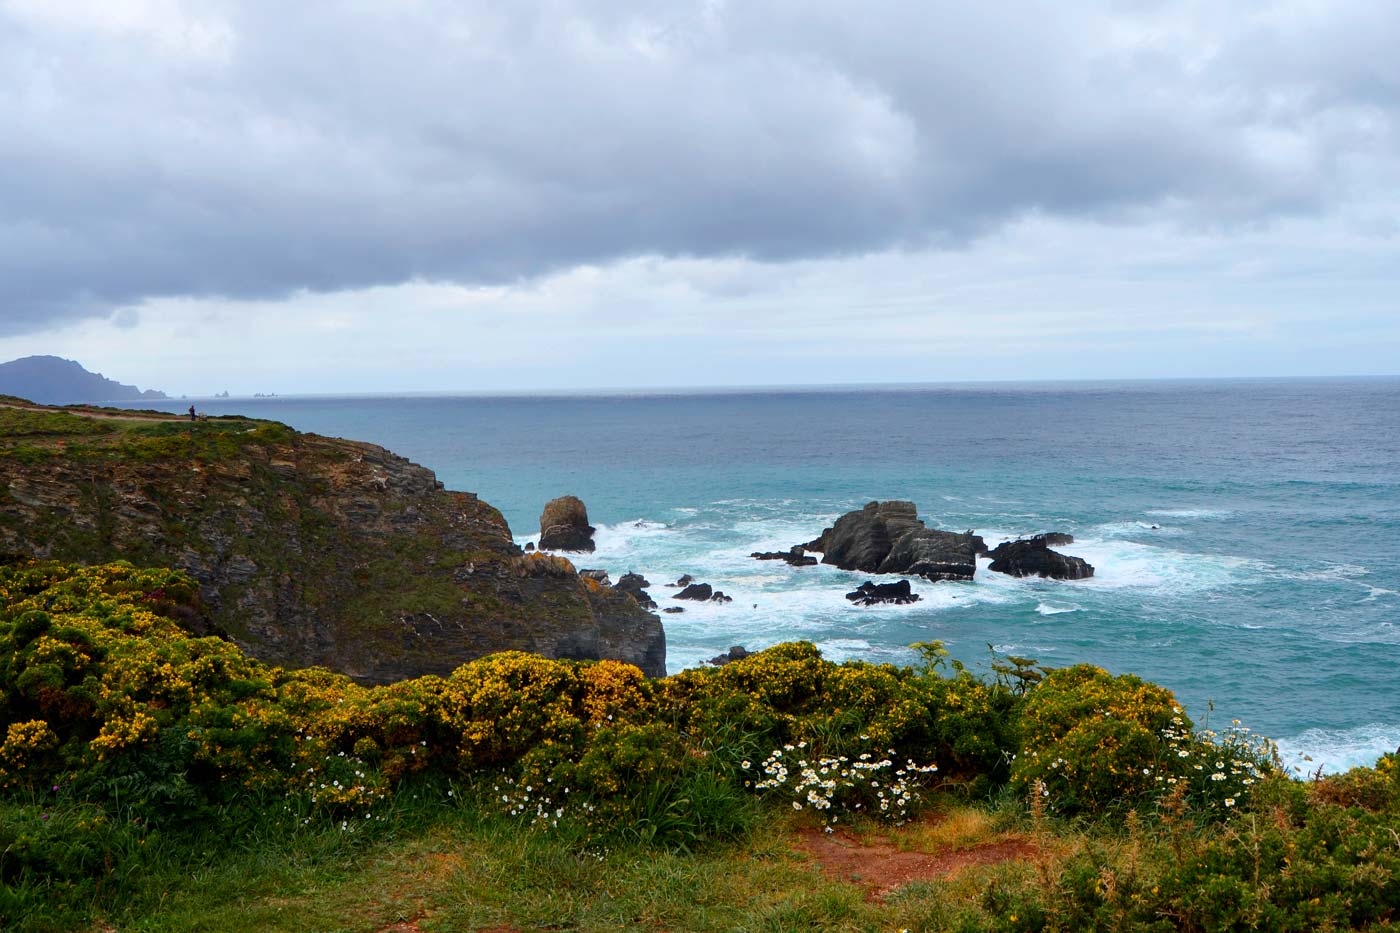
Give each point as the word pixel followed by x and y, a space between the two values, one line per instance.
pixel 1246 534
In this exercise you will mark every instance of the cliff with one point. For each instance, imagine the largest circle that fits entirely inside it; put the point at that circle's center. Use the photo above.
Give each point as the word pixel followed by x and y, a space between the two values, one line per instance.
pixel 57 381
pixel 308 550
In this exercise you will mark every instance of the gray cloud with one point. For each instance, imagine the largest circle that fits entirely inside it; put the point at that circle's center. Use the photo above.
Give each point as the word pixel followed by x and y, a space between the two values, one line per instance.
pixel 254 149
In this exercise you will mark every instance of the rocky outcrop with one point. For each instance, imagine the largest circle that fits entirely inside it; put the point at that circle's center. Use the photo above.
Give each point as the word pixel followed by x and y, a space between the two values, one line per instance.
pixel 888 537
pixel 871 593
pixel 1032 557
pixel 795 556
pixel 696 591
pixel 933 555
pixel 701 593
pixel 312 551
pixel 564 526
pixel 635 585
pixel 736 653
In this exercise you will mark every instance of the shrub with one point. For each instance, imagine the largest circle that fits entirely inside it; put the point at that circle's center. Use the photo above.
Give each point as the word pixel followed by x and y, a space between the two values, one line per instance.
pixel 1093 741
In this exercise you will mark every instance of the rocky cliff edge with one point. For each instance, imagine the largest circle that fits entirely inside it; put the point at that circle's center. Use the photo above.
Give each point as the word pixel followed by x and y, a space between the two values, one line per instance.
pixel 308 550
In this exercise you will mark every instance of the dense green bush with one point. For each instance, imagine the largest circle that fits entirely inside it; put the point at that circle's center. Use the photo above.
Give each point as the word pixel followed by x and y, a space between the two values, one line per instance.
pixel 1092 742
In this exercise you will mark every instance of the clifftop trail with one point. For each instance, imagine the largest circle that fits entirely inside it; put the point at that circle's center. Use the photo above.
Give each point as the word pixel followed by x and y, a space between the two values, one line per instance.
pixel 308 550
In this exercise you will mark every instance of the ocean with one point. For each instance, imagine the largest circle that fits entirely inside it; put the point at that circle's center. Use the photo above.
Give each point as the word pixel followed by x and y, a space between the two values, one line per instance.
pixel 1245 533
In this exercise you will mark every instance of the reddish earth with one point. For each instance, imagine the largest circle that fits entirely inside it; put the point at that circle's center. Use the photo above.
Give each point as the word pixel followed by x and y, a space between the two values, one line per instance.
pixel 881 868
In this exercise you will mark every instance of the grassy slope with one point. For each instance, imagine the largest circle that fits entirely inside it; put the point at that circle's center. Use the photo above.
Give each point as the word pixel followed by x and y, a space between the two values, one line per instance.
pixel 454 864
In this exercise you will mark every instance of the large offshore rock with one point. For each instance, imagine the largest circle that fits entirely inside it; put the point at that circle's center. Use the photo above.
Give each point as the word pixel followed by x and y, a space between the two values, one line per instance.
pixel 564 526
pixel 861 540
pixel 1032 557
pixel 888 537
pixel 933 555
pixel 311 550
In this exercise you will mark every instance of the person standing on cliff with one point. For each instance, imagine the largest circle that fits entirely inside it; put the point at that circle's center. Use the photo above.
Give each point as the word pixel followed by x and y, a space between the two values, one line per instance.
pixel 192 415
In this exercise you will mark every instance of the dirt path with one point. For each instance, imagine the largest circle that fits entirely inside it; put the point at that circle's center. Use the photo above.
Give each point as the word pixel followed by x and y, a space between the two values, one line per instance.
pixel 84 411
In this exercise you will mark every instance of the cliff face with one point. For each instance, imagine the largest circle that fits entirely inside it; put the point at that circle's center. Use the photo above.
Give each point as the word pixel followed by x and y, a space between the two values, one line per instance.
pixel 308 550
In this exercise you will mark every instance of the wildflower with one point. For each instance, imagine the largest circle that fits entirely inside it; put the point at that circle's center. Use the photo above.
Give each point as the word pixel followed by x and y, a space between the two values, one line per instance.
pixel 1229 801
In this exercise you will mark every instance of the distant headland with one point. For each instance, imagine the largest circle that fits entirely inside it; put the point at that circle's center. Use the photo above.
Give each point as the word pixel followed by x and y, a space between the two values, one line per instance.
pixel 53 380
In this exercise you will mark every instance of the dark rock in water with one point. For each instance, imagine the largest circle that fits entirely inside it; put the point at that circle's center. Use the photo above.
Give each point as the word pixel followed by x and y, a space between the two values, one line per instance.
pixel 719 597
pixel 696 591
pixel 529 547
pixel 1032 557
pixel 635 583
pixel 979 544
pixel 861 540
pixel 872 594
pixel 1049 539
pixel 600 575
pixel 888 537
pixel 933 555
pixel 674 609
pixel 685 580
pixel 795 556
pixel 736 653
pixel 564 526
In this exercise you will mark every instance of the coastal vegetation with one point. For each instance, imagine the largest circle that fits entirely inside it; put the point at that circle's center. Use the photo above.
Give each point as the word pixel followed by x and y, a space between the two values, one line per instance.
pixel 153 779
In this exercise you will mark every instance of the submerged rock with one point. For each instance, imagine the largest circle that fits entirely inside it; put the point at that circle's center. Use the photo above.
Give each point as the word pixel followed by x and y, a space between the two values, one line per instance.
pixel 1032 557
pixel 870 593
pixel 564 526
pixel 795 556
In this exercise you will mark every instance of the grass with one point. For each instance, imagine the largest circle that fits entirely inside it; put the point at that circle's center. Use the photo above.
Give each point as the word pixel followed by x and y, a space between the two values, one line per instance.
pixel 455 864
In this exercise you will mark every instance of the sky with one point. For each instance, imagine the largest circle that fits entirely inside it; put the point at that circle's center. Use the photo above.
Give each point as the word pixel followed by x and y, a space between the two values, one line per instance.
pixel 434 195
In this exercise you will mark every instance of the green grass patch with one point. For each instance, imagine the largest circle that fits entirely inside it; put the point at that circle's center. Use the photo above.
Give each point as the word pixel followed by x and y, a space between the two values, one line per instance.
pixel 17 423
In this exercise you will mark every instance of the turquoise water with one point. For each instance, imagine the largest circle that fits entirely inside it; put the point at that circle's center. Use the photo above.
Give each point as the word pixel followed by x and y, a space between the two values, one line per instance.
pixel 1246 534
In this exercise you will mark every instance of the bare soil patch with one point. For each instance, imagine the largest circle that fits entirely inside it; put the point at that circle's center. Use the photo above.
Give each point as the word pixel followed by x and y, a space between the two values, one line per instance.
pixel 881 867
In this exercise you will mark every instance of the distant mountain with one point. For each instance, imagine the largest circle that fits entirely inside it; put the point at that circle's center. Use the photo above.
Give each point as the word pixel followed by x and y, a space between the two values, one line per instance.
pixel 56 381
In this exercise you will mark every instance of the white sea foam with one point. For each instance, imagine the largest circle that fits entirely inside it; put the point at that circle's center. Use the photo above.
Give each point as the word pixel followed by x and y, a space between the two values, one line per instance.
pixel 1138 529
pixel 1192 513
pixel 1122 564
pixel 1046 609
pixel 1037 650
pixel 1335 750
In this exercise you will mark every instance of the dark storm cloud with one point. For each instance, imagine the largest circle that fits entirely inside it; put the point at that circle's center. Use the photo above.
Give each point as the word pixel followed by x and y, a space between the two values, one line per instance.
pixel 159 148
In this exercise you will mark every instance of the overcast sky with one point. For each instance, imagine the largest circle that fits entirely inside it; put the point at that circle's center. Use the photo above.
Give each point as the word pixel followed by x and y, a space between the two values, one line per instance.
pixel 437 195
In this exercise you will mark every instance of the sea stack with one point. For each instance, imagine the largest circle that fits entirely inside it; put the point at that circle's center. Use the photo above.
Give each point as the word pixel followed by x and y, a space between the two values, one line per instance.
pixel 888 537
pixel 564 526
